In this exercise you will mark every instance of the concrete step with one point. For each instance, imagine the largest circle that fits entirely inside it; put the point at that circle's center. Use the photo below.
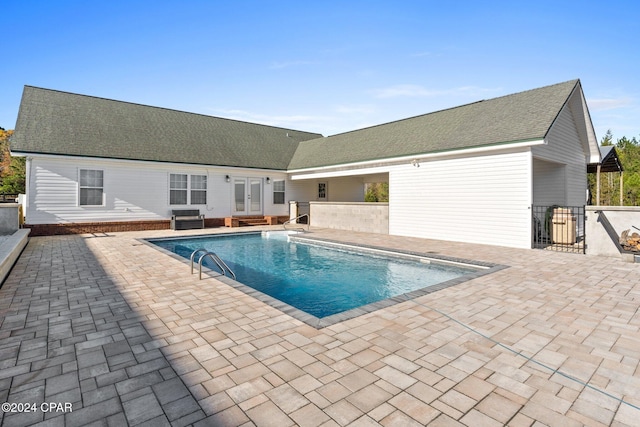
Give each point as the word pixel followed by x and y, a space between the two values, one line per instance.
pixel 246 221
pixel 261 221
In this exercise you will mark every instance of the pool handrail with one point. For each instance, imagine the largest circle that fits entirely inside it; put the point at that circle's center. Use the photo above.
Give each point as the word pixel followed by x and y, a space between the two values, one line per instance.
pixel 284 225
pixel 216 259
pixel 193 254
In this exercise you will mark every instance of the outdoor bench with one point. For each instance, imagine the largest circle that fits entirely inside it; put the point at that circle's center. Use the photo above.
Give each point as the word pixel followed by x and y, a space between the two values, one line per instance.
pixel 186 219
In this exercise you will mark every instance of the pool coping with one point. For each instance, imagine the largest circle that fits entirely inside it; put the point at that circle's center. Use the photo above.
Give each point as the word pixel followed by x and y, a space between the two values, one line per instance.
pixel 483 268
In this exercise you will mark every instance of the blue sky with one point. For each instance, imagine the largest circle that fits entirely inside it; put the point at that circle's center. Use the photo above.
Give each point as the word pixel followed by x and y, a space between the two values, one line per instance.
pixel 326 67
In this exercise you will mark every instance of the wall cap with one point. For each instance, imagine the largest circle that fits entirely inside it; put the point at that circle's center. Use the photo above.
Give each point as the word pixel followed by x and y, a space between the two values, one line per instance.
pixel 613 208
pixel 351 203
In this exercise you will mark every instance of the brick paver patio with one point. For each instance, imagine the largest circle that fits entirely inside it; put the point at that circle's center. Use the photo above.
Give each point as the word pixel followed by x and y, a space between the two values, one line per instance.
pixel 127 336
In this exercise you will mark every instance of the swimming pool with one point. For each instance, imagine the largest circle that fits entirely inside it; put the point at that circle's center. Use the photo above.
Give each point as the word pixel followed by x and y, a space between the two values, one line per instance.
pixel 320 278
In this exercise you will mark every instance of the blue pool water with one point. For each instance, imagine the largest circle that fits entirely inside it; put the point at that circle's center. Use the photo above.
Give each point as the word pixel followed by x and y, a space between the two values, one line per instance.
pixel 316 279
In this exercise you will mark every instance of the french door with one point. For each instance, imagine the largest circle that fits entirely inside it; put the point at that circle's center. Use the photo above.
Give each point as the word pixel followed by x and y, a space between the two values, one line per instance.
pixel 247 196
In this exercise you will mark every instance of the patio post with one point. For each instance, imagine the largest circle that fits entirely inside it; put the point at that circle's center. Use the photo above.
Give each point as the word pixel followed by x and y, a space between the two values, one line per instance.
pixel 598 185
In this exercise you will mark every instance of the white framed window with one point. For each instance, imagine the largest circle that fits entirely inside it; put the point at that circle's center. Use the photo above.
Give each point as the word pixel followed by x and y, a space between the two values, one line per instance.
pixel 278 192
pixel 198 189
pixel 91 187
pixel 187 189
pixel 178 189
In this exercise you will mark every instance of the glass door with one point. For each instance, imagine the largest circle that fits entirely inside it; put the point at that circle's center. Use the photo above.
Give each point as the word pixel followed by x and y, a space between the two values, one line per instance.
pixel 255 196
pixel 247 196
pixel 239 196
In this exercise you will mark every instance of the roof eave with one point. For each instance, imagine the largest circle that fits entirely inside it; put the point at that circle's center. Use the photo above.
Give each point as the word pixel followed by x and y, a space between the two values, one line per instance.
pixel 22 153
pixel 392 161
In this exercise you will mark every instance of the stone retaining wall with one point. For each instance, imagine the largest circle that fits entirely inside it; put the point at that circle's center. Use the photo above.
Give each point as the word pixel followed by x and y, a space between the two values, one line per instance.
pixel 355 216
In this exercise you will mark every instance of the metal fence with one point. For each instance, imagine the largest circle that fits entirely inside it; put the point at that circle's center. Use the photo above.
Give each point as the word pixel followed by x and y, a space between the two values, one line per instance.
pixel 558 228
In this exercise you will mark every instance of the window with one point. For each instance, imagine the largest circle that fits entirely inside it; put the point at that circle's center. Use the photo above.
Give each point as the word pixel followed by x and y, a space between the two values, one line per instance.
pixel 198 189
pixel 177 189
pixel 278 192
pixel 322 191
pixel 187 189
pixel 91 187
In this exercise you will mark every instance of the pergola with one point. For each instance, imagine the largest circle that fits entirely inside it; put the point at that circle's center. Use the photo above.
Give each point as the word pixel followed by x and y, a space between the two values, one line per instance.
pixel 610 163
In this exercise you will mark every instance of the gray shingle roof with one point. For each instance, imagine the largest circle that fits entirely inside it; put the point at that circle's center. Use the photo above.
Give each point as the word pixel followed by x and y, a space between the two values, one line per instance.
pixel 609 161
pixel 55 122
pixel 519 117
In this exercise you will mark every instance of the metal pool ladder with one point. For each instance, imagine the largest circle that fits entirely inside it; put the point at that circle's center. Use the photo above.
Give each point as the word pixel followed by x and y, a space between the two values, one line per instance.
pixel 224 268
pixel 296 219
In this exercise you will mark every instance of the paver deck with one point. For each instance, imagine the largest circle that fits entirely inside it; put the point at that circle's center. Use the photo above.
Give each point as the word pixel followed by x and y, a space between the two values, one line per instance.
pixel 127 336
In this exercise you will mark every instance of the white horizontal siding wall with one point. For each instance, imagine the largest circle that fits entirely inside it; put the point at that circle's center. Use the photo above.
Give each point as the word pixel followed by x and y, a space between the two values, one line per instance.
pixel 133 191
pixel 481 199
pixel 564 146
pixel 549 183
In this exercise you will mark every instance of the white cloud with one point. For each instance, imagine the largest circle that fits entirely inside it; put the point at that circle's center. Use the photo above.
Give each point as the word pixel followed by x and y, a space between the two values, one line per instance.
pixel 308 123
pixel 355 109
pixel 417 91
pixel 603 104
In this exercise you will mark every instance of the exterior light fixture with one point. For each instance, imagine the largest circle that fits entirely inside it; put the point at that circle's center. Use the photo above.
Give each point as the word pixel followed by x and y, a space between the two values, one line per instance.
pixel 415 163
pixel 268 180
pixel 227 178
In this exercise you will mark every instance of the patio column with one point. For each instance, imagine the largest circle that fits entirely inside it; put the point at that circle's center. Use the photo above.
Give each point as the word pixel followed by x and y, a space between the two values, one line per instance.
pixel 598 185
pixel 621 187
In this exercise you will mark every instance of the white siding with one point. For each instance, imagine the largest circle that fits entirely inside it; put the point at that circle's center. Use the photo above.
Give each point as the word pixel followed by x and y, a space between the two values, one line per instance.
pixel 549 183
pixel 482 199
pixel 564 146
pixel 132 190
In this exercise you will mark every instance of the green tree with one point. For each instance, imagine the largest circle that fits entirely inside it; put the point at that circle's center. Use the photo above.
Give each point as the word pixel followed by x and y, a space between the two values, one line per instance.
pixel 12 169
pixel 376 192
pixel 628 150
pixel 629 153
pixel 13 180
pixel 607 139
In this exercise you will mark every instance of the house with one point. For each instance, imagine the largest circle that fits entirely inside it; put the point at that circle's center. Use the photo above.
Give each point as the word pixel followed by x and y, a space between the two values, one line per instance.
pixel 470 173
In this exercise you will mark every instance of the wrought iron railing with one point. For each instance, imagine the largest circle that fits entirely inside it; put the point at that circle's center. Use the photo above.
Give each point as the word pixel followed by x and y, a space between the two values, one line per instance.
pixel 558 228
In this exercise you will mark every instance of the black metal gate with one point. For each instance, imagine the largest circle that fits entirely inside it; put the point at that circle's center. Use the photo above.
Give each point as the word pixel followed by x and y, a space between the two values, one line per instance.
pixel 558 228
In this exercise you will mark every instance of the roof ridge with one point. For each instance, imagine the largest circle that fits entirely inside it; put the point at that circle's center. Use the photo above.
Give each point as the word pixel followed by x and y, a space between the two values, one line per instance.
pixel 168 109
pixel 574 81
